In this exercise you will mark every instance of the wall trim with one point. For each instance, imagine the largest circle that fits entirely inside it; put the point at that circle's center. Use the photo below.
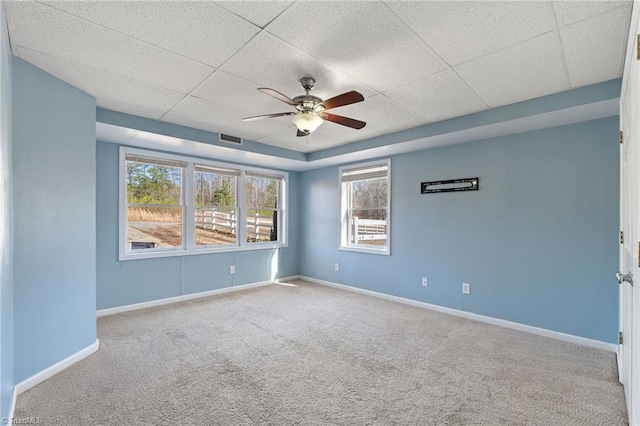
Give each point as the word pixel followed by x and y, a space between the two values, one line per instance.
pixel 48 372
pixel 185 297
pixel 609 347
pixel 12 407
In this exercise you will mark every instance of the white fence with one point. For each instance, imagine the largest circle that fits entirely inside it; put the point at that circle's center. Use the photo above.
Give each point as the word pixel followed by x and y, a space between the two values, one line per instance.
pixel 258 227
pixel 368 229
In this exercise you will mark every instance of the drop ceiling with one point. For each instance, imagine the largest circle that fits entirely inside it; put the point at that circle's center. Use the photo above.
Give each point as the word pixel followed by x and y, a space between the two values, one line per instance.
pixel 198 64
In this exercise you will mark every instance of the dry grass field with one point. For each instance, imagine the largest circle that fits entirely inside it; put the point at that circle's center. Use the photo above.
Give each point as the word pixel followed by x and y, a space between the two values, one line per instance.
pixel 170 234
pixel 164 225
pixel 155 214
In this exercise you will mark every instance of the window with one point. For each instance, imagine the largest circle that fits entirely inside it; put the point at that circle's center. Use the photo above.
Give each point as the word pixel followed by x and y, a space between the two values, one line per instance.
pixel 216 208
pixel 365 213
pixel 154 203
pixel 262 193
pixel 173 205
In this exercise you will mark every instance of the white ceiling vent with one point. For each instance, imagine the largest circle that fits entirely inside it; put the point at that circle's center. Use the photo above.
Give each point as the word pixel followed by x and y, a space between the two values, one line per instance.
pixel 230 139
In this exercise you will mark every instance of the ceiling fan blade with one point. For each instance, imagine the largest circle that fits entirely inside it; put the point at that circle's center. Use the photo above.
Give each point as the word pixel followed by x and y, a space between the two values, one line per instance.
pixel 342 100
pixel 345 121
pixel 260 117
pixel 301 133
pixel 279 96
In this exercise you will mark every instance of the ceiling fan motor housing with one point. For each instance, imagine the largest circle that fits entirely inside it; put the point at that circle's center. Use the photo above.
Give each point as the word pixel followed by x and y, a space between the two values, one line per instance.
pixel 307 102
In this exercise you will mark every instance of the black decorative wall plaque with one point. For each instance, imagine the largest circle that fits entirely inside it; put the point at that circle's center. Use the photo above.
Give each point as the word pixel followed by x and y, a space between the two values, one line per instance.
pixel 452 185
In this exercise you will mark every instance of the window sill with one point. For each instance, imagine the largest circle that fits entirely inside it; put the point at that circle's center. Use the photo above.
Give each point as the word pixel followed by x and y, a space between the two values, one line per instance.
pixel 123 257
pixel 383 252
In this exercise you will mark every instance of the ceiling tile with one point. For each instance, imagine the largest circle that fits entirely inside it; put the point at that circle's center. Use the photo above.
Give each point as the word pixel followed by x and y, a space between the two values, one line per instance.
pixel 463 30
pixel 270 62
pixel 438 97
pixel 134 56
pixel 381 114
pixel 103 85
pixel 259 13
pixel 224 119
pixel 190 122
pixel 227 89
pixel 287 139
pixel 363 39
pixel 129 109
pixel 528 70
pixel 45 29
pixel 594 47
pixel 346 134
pixel 568 12
pixel 211 127
pixel 200 30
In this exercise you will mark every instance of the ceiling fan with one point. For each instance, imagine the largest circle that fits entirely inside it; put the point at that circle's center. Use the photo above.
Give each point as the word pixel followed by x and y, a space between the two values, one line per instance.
pixel 311 110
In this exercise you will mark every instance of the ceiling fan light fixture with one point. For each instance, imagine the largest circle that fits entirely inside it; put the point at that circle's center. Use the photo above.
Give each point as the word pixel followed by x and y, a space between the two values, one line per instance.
pixel 311 110
pixel 307 121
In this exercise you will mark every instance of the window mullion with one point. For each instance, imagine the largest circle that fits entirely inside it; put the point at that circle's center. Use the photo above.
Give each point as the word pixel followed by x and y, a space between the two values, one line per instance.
pixel 282 199
pixel 188 209
pixel 241 223
pixel 123 221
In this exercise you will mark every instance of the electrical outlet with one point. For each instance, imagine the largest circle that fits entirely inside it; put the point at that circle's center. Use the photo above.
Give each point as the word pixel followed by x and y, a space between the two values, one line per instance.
pixel 425 281
pixel 466 288
pixel 336 267
pixel 232 269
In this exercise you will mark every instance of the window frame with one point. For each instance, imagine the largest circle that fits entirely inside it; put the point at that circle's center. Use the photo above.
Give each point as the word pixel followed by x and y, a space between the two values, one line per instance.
pixel 343 219
pixel 238 176
pixel 256 173
pixel 189 246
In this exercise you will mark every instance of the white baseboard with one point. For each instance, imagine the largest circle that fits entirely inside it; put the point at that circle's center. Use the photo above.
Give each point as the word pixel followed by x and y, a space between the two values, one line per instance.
pixel 12 407
pixel 610 347
pixel 286 279
pixel 184 297
pixel 40 377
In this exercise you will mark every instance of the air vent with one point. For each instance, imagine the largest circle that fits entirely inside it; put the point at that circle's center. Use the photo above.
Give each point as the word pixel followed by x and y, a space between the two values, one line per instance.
pixel 230 139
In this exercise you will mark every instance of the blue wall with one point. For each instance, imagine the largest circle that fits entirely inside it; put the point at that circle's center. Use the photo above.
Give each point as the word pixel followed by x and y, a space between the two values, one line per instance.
pixel 6 224
pixel 54 219
pixel 136 281
pixel 537 242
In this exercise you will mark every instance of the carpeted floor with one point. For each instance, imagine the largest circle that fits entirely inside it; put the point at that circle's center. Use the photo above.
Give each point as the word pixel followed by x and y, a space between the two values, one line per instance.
pixel 303 354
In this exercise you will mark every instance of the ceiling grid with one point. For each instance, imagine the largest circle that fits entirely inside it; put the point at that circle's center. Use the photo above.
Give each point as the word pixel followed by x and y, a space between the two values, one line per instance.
pixel 199 63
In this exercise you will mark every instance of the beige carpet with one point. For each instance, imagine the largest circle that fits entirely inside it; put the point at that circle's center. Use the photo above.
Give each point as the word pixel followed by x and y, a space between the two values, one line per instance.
pixel 303 354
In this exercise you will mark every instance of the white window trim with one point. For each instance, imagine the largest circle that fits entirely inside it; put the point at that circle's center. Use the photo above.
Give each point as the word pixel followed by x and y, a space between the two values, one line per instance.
pixel 343 237
pixel 188 233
